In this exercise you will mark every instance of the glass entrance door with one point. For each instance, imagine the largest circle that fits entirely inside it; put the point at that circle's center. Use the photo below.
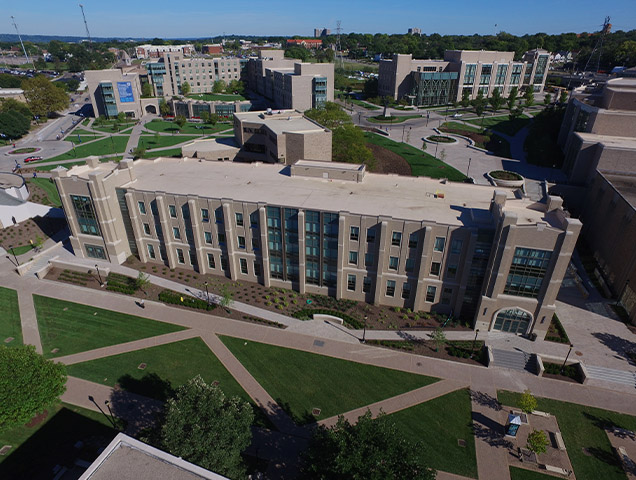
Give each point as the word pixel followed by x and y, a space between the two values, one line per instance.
pixel 512 320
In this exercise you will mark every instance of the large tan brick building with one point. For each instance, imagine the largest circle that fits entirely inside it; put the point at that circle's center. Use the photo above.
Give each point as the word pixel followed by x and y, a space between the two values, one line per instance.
pixel 482 254
pixel 438 82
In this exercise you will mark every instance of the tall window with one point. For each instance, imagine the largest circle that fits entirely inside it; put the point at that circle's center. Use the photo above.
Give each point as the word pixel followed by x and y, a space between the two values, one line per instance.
pixel 371 235
pixel 353 257
pixel 413 239
pixel 173 211
pixel 218 215
pixel 208 237
pixel 241 241
pixel 515 76
pixel 239 219
pixel 390 288
pixel 146 229
pixel 486 72
pixel 527 272
pixel 502 70
pixel 366 284
pixel 205 215
pixel 369 259
pixel 211 263
pixel 180 257
pixel 435 268
pixel 351 283
pixel 440 242
pixel 406 290
pixel 354 233
pixel 243 263
pixel 430 293
pixel 85 214
pixel 142 207
pixel 456 246
pixel 469 74
pixel 151 251
pixel 176 233
pixel 396 239
pixel 393 263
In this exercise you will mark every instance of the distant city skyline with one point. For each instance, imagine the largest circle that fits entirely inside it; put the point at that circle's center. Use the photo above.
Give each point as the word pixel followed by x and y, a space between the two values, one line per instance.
pixel 199 19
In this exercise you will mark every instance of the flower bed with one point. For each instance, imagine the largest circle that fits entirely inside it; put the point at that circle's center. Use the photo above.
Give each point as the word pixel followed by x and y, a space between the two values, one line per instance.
pixel 440 139
pixel 22 151
pixel 504 178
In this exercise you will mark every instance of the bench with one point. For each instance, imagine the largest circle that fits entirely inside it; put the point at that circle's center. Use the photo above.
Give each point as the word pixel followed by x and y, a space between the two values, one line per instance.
pixel 559 440
pixel 559 470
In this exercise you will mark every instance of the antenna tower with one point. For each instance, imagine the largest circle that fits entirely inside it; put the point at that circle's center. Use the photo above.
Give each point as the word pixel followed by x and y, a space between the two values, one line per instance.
pixel 85 24
pixel 20 37
pixel 598 48
pixel 338 45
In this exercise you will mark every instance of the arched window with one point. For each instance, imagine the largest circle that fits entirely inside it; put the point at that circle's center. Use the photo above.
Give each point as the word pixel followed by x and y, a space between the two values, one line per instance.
pixel 512 320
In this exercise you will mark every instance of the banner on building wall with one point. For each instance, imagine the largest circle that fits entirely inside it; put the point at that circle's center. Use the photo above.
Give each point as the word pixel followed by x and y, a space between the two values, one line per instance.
pixel 125 92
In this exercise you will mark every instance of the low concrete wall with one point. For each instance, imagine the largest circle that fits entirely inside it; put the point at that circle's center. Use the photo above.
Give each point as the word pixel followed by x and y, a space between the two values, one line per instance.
pixel 540 367
pixel 78 268
pixel 41 273
pixel 582 372
pixel 491 357
pixel 327 318
pixel 506 183
pixel 27 266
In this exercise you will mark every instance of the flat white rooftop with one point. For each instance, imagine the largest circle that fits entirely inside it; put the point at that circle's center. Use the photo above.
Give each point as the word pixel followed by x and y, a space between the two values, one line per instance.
pixel 281 121
pixel 407 198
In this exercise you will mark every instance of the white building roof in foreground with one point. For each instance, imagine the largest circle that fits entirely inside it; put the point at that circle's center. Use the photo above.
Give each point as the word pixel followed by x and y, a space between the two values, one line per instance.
pixel 281 121
pixel 407 198
pixel 127 458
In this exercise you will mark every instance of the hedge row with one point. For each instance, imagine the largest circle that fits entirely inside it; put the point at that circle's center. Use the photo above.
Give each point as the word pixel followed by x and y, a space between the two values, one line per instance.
pixel 307 313
pixel 116 282
pixel 174 298
pixel 398 344
pixel 568 371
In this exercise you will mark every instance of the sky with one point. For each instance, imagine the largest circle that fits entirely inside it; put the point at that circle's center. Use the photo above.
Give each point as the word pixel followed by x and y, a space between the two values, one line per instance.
pixel 207 18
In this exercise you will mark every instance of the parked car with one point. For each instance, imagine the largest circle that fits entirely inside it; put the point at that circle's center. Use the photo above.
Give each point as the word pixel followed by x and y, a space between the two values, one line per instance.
pixel 32 159
pixel 457 115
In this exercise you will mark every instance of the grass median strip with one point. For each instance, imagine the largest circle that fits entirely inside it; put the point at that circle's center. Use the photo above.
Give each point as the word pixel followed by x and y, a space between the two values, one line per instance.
pixel 106 146
pixel 67 327
pixel 302 381
pixel 10 326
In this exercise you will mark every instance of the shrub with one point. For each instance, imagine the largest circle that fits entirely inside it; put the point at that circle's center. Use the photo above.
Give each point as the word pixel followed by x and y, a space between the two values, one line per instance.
pixel 174 298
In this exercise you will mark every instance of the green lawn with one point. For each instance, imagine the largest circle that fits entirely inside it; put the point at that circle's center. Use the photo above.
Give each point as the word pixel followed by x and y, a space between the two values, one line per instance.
pixel 394 119
pixel 301 381
pixel 502 124
pixel 82 139
pixel 438 424
pixel 583 428
pixel 10 325
pixel 49 188
pixel 169 152
pixel 360 103
pixel 81 131
pixel 211 97
pixel 109 126
pixel 21 250
pixel 163 126
pixel 82 327
pixel 422 164
pixel 523 474
pixel 39 448
pixel 460 127
pixel 114 144
pixel 149 142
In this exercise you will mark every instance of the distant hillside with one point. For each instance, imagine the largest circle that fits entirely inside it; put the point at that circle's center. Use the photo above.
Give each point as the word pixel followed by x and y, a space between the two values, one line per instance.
pixel 12 37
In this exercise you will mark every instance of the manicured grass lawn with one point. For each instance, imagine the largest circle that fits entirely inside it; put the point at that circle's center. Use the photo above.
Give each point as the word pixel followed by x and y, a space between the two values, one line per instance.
pixel 395 119
pixel 422 164
pixel 210 97
pixel 81 131
pixel 360 103
pixel 523 474
pixel 84 139
pixel 39 448
pixel 78 329
pixel 301 381
pixel 174 363
pixel 460 127
pixel 502 124
pixel 49 188
pixel 10 325
pixel 22 249
pixel 148 141
pixel 163 126
pixel 438 424
pixel 169 152
pixel 110 127
pixel 114 144
pixel 583 428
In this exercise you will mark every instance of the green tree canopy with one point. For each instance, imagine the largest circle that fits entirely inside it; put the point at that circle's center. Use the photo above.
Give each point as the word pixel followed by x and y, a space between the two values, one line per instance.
pixel 479 104
pixel 465 101
pixel 537 441
pixel 219 86
pixel 512 98
pixel 203 426
pixel 528 96
pixel 146 90
pixel 527 402
pixel 180 120
pixel 13 124
pixel 8 104
pixel 42 96
pixel 370 449
pixel 28 384
pixel 164 108
pixel 496 100
pixel 185 88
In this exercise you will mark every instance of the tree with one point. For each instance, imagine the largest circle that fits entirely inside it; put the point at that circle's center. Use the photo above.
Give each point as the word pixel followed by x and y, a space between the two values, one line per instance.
pixel 203 426
pixel 465 101
pixel 219 86
pixel 164 108
pixel 28 384
pixel 8 104
pixel 185 88
pixel 227 296
pixel 146 90
pixel 547 100
pixel 42 96
pixel 515 113
pixel 142 280
pixel 479 104
pixel 528 97
pixel 180 120
pixel 439 338
pixel 512 98
pixel 527 402
pixel 563 98
pixel 13 124
pixel 537 442
pixel 371 448
pixel 496 100
pixel 39 64
pixel 121 117
pixel 138 152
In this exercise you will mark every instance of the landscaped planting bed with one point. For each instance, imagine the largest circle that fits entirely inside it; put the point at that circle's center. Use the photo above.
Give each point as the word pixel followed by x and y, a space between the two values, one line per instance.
pixel 505 175
pixel 570 373
pixel 458 351
pixel 441 139
pixel 556 332
pixel 20 234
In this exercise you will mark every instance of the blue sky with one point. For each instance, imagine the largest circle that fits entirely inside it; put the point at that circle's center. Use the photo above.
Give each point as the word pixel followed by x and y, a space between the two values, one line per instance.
pixel 198 18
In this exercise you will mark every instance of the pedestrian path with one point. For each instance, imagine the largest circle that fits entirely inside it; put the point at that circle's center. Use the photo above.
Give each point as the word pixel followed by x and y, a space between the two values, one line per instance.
pixel 28 318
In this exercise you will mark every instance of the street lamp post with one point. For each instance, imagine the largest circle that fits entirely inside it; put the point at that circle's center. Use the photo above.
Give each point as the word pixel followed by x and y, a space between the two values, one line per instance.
pixel 101 284
pixel 472 350
pixel 364 332
pixel 207 293
pixel 13 253
pixel 566 358
pixel 107 403
pixel 468 169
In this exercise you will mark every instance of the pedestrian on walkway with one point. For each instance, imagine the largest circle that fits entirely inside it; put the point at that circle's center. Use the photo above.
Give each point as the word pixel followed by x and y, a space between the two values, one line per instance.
pixel 142 304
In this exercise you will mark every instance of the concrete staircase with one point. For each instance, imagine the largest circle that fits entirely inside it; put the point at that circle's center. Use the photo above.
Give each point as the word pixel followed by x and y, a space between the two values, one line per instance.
pixel 611 375
pixel 515 360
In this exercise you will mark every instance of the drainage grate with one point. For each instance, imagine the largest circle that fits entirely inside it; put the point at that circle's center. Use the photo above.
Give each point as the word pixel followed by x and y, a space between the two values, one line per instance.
pixel 316 411
pixel 55 350
pixel 8 340
pixel 142 366
pixel 319 343
pixel 461 442
pixel 4 450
